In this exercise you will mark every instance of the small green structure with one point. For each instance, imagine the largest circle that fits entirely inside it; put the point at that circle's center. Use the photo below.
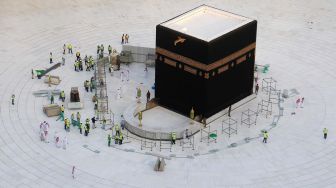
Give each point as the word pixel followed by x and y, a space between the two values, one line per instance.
pixel 266 68
pixel 39 73
pixel 213 136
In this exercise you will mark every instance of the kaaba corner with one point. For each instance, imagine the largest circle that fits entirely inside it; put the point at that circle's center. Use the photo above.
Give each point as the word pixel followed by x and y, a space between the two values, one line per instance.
pixel 204 60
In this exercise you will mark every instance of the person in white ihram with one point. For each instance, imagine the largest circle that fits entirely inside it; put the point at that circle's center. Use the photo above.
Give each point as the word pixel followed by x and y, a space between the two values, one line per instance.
pixel 45 127
pixel 65 142
pixel 57 140
pixel 42 136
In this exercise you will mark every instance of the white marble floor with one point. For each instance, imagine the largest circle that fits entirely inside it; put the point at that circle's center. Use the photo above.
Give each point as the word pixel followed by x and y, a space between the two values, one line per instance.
pixel 297 39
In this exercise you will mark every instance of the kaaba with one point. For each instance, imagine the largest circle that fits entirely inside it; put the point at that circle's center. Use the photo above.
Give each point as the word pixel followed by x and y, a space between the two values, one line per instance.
pixel 204 60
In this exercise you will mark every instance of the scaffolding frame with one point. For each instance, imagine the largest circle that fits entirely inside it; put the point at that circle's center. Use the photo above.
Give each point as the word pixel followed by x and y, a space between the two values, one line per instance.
pixel 231 128
pixel 102 111
pixel 249 117
pixel 269 87
pixel 274 95
pixel 265 106
pixel 189 142
pixel 268 84
pixel 205 135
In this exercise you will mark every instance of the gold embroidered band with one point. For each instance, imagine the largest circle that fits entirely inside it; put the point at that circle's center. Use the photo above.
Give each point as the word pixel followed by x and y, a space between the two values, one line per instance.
pixel 202 66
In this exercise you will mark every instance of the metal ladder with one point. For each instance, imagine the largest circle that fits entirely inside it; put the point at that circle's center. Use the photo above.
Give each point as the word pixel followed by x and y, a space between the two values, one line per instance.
pixel 102 110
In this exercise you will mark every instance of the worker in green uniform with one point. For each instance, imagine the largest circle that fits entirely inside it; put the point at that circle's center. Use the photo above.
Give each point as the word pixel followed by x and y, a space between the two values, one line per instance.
pixel 62 108
pixel 104 123
pixel 116 139
pixel 69 48
pixel 265 136
pixel 98 49
pixel 78 117
pixel 109 140
pixel 73 119
pixel 86 130
pixel 102 49
pixel 67 125
pixel 109 49
pixel 140 118
pixel 49 80
pixel 62 96
pixel 138 95
pixel 117 129
pixel 52 99
pixel 61 116
pixel 13 98
pixel 121 137
pixel 87 126
pixel 173 137
pixel 80 128
pixel 325 133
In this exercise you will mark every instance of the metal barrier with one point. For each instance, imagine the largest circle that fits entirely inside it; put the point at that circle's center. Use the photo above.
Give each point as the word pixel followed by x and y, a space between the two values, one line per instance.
pixel 230 126
pixel 147 144
pixel 249 117
pixel 188 143
pixel 165 145
pixel 102 110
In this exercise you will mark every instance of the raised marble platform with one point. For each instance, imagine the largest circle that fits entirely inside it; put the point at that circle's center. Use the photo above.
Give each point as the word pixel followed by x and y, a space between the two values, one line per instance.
pixel 158 122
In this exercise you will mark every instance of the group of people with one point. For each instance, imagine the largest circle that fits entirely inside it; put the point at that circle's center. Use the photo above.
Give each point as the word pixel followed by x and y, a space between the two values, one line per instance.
pixel 89 63
pixel 100 50
pixel 299 102
pixel 77 122
pixel 65 48
pixel 124 39
pixel 61 97
pixel 69 47
pixel 265 135
pixel 139 93
pixel 118 136
pixel 186 135
pixel 44 130
pixel 60 143
pixel 89 85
